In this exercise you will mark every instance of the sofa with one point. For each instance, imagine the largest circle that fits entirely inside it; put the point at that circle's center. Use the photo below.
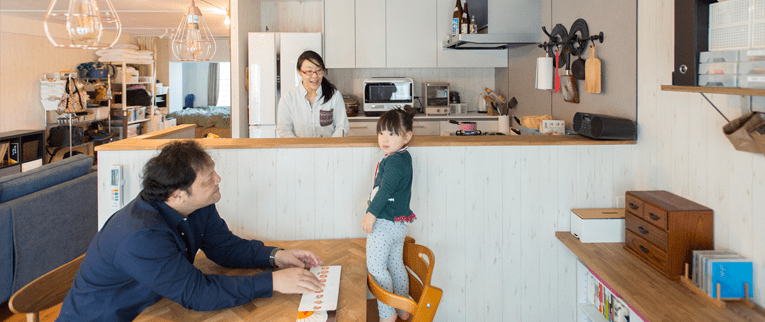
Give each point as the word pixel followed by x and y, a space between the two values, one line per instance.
pixel 48 217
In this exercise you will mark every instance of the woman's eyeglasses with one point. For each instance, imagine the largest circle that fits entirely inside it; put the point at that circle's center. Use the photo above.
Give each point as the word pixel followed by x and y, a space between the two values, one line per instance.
pixel 312 72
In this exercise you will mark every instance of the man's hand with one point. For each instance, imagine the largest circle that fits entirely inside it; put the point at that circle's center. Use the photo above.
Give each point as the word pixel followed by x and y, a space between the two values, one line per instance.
pixel 295 281
pixel 296 258
pixel 368 223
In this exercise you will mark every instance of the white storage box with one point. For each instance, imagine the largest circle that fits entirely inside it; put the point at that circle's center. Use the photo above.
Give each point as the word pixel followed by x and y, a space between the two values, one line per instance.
pixel 752 54
pixel 752 68
pixel 751 81
pixel 729 25
pixel 718 56
pixel 601 225
pixel 718 80
pixel 718 68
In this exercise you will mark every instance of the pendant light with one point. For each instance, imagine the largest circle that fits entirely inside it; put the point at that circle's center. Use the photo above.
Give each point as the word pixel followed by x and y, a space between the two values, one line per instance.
pixel 193 40
pixel 84 23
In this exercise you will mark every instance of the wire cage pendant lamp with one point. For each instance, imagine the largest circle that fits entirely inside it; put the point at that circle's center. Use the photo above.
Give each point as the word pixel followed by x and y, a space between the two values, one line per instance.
pixel 193 40
pixel 84 22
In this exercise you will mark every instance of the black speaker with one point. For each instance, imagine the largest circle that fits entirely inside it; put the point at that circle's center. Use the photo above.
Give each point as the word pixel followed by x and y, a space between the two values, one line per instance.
pixel 605 127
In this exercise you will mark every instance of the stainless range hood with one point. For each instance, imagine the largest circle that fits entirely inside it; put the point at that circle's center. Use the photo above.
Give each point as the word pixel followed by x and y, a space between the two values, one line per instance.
pixel 491 41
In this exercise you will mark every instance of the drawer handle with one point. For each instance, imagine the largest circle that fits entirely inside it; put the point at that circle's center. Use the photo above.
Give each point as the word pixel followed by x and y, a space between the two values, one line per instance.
pixel 634 206
pixel 419 126
pixel 643 249
pixel 643 230
pixel 358 127
pixel 654 217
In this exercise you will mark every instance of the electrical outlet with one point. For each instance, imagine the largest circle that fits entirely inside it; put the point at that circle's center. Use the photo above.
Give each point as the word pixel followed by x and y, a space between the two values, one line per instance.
pixel 557 126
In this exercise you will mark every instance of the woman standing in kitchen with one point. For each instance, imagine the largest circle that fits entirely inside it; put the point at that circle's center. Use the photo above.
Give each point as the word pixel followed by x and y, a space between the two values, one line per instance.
pixel 388 215
pixel 315 107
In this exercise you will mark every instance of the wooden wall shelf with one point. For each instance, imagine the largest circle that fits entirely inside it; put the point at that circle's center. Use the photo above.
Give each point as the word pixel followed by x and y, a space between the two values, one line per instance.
pixel 714 90
pixel 647 291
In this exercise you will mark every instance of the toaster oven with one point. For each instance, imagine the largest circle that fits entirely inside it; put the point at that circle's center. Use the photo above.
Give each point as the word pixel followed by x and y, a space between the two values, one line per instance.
pixel 383 94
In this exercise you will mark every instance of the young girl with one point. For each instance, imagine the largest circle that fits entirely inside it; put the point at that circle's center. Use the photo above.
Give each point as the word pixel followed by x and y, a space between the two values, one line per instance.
pixel 388 215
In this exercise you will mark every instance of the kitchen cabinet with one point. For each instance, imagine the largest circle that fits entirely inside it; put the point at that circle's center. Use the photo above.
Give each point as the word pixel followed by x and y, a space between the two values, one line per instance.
pixel 410 37
pixel 370 34
pixel 339 33
pixel 422 126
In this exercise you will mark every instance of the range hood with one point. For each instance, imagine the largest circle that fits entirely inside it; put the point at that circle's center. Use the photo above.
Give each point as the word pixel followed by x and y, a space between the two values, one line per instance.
pixel 491 41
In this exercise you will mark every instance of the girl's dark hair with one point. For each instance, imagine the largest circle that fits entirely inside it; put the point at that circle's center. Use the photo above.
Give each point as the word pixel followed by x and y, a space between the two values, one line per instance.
pixel 327 88
pixel 175 167
pixel 398 121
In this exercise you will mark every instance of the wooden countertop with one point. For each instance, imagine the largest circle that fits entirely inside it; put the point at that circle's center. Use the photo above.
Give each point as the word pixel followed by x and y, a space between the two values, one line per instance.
pixel 154 140
pixel 352 297
pixel 647 291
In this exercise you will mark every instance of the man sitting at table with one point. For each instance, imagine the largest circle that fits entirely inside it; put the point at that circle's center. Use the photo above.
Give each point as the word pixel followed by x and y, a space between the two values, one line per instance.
pixel 146 250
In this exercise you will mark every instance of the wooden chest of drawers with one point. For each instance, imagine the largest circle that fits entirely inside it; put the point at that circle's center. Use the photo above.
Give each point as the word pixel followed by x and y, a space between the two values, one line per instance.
pixel 664 229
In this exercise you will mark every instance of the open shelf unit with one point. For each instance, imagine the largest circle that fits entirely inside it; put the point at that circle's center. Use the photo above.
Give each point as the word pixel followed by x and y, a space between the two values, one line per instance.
pixel 27 147
pixel 147 122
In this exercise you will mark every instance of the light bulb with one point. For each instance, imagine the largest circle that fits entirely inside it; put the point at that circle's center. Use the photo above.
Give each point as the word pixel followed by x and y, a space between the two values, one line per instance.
pixel 84 22
pixel 193 43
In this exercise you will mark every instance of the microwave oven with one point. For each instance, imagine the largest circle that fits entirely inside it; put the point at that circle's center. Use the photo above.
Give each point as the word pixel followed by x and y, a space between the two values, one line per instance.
pixel 383 94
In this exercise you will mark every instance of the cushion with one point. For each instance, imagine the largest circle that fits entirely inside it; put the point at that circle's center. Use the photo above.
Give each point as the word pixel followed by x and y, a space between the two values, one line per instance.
pixel 51 174
pixel 6 253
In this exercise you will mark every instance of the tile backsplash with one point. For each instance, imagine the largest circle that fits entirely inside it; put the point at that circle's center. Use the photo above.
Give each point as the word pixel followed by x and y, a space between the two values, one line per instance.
pixel 469 82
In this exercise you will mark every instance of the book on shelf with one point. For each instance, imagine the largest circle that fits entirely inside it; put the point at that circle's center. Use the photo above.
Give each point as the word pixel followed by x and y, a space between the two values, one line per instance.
pixel 696 269
pixel 731 274
pixel 13 152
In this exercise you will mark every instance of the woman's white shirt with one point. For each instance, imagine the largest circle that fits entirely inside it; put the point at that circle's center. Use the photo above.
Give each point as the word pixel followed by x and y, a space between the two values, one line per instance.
pixel 297 117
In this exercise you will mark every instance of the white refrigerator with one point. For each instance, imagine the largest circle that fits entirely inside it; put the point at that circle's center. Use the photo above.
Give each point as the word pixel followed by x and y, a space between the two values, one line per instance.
pixel 268 53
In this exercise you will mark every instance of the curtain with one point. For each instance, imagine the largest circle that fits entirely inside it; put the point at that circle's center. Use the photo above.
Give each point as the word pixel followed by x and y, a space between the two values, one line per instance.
pixel 212 85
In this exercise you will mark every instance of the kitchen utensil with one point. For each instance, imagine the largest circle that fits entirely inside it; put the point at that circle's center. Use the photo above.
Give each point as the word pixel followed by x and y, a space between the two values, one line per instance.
pixel 557 75
pixel 592 73
pixel 577 68
pixel 464 126
pixel 568 84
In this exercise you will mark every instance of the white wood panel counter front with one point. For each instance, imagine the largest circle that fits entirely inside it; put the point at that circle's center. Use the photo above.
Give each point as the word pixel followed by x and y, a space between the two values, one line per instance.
pixel 487 208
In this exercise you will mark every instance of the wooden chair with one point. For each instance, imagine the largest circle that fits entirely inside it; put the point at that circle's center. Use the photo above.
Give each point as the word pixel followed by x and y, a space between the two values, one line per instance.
pixel 46 291
pixel 426 297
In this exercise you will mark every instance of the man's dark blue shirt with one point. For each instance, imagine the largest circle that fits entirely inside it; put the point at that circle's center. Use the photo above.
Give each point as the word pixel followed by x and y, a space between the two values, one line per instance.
pixel 146 251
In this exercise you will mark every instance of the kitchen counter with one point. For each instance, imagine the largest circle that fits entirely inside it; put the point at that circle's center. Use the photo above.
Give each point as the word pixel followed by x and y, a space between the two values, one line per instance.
pixel 471 116
pixel 154 140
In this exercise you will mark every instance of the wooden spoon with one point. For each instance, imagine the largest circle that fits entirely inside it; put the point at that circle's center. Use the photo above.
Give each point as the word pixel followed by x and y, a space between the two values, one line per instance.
pixel 592 73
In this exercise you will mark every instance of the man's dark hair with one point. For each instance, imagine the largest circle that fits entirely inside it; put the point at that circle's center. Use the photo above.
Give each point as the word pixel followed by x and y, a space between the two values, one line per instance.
pixel 174 168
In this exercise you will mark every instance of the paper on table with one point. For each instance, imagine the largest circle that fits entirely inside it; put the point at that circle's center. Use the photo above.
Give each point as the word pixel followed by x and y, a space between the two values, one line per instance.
pixel 325 300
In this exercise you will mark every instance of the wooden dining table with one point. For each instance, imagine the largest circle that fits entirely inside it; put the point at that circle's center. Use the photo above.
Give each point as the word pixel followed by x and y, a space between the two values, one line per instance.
pixel 350 254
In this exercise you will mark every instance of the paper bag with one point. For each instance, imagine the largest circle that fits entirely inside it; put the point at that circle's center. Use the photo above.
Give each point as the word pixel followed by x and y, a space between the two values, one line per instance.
pixel 747 133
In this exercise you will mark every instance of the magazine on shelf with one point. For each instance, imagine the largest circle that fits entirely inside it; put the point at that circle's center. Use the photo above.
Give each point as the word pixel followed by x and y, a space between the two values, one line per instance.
pixel 731 274
pixel 705 268
pixel 696 265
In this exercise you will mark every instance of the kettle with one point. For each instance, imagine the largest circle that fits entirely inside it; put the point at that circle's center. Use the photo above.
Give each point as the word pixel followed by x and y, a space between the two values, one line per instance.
pixel 482 106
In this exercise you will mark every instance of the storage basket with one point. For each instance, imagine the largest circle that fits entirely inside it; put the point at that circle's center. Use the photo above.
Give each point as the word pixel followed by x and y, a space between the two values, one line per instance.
pixel 729 25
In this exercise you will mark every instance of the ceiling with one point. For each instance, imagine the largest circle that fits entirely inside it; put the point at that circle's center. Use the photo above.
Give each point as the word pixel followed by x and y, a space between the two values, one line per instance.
pixel 138 17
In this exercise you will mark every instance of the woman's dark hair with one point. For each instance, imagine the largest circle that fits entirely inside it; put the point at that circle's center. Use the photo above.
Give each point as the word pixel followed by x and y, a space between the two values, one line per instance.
pixel 327 88
pixel 175 167
pixel 398 121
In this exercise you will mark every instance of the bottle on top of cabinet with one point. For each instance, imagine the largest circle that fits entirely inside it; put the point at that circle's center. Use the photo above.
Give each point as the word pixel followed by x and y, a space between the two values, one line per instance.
pixel 465 22
pixel 473 26
pixel 457 18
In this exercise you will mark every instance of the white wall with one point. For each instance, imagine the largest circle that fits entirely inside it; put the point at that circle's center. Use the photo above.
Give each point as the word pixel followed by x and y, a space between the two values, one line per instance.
pixel 26 56
pixel 488 213
pixel 681 147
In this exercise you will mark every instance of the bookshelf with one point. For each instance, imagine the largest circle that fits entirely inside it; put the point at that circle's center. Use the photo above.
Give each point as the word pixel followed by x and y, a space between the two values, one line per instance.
pixel 647 291
pixel 20 151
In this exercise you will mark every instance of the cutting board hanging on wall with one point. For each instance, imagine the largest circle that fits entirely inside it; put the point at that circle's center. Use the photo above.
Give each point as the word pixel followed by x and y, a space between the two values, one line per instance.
pixel 592 73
